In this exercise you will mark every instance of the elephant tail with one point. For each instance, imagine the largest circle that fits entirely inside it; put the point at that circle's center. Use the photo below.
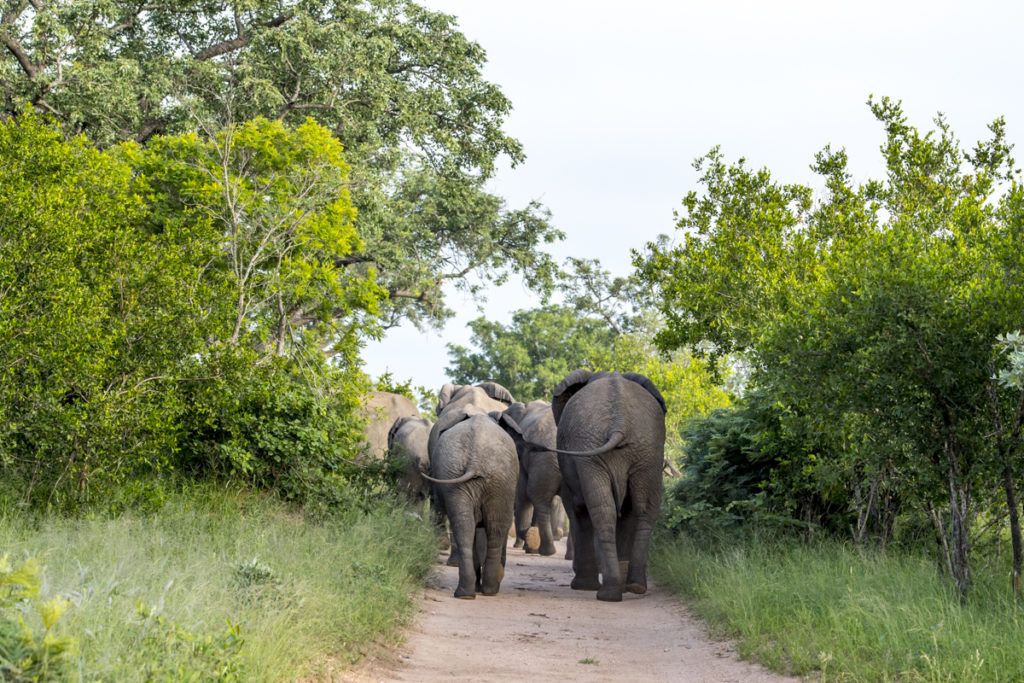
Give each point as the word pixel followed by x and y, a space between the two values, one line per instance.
pixel 469 474
pixel 613 442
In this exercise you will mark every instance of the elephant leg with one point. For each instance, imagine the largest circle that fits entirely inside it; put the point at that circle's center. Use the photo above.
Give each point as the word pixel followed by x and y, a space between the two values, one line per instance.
pixel 523 513
pixel 558 526
pixel 569 546
pixel 463 533
pixel 636 579
pixel 453 552
pixel 597 492
pixel 438 516
pixel 479 553
pixel 524 520
pixel 494 560
pixel 624 533
pixel 547 544
pixel 584 563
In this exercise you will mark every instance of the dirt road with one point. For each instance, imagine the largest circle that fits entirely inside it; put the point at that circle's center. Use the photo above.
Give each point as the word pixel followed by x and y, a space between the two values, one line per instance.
pixel 538 629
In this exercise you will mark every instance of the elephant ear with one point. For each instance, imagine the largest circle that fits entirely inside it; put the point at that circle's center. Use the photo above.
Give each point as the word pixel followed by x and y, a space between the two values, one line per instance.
pixel 649 386
pixel 567 388
pixel 445 397
pixel 517 411
pixel 394 430
pixel 461 415
pixel 511 427
pixel 497 392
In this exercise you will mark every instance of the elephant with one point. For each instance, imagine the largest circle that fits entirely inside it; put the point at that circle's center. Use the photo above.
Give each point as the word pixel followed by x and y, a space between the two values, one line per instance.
pixel 532 427
pixel 611 450
pixel 407 445
pixel 381 409
pixel 454 403
pixel 474 467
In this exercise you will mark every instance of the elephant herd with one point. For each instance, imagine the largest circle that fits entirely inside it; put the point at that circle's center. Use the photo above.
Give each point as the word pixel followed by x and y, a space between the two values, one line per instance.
pixel 489 461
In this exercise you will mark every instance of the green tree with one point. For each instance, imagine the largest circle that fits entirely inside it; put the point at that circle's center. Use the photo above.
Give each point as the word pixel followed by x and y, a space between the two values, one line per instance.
pixel 876 305
pixel 602 326
pixel 398 84
pixel 175 308
pixel 94 316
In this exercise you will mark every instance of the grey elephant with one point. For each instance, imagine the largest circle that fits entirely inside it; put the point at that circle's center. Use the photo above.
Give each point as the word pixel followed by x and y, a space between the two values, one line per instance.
pixel 474 467
pixel 532 427
pixel 611 450
pixel 407 446
pixel 381 409
pixel 454 403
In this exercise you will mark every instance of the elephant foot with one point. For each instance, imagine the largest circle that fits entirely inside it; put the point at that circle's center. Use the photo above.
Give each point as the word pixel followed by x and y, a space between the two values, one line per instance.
pixel 530 551
pixel 609 594
pixel 518 543
pixel 548 549
pixel 464 594
pixel 452 561
pixel 579 584
pixel 569 554
pixel 638 588
pixel 489 592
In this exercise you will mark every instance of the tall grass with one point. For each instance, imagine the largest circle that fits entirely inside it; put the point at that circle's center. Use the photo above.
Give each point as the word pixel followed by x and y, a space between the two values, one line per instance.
pixel 225 584
pixel 842 614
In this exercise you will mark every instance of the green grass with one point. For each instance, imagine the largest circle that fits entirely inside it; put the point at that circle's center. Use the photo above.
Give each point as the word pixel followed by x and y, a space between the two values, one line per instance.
pixel 833 612
pixel 156 597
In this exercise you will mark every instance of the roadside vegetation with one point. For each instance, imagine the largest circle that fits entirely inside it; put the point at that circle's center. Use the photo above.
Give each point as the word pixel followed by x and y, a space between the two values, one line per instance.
pixel 836 612
pixel 855 513
pixel 219 585
pixel 198 234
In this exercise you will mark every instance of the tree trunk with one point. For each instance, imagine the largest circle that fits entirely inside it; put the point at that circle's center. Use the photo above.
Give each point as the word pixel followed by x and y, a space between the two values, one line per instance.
pixel 1015 540
pixel 944 560
pixel 959 520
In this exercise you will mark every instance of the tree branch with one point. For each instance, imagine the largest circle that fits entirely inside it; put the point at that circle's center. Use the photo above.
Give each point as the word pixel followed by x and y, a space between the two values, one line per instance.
pixel 27 65
pixel 237 43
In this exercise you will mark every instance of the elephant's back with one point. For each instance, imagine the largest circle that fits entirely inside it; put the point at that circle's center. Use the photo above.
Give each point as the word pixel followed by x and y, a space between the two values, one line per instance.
pixel 381 409
pixel 470 400
pixel 480 442
pixel 607 404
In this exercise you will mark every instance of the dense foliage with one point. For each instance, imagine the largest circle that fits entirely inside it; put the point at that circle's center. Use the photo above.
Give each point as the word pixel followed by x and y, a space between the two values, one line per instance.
pixel 396 83
pixel 145 330
pixel 871 315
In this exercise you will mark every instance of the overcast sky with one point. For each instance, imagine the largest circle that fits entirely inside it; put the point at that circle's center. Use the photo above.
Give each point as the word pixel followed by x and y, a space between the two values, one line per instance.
pixel 613 101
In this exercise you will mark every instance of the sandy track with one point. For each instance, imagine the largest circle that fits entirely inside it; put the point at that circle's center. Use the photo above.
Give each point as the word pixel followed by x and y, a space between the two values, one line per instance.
pixel 538 629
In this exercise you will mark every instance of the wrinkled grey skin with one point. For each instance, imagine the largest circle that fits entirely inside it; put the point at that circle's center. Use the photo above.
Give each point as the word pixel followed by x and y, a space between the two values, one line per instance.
pixel 540 478
pixel 474 467
pixel 407 445
pixel 454 403
pixel 381 409
pixel 611 445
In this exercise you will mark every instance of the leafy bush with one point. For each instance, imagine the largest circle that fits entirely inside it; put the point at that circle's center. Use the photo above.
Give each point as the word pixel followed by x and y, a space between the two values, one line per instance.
pixel 31 649
pixel 147 328
pixel 756 463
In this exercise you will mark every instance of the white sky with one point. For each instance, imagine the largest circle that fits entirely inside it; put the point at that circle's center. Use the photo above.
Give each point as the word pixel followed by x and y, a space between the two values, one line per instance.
pixel 614 100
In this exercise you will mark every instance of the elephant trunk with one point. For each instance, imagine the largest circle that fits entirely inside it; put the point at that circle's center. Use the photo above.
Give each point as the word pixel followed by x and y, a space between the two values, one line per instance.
pixel 469 474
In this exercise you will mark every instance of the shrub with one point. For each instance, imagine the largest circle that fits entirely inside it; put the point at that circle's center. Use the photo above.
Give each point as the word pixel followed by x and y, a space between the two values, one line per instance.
pixel 31 649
